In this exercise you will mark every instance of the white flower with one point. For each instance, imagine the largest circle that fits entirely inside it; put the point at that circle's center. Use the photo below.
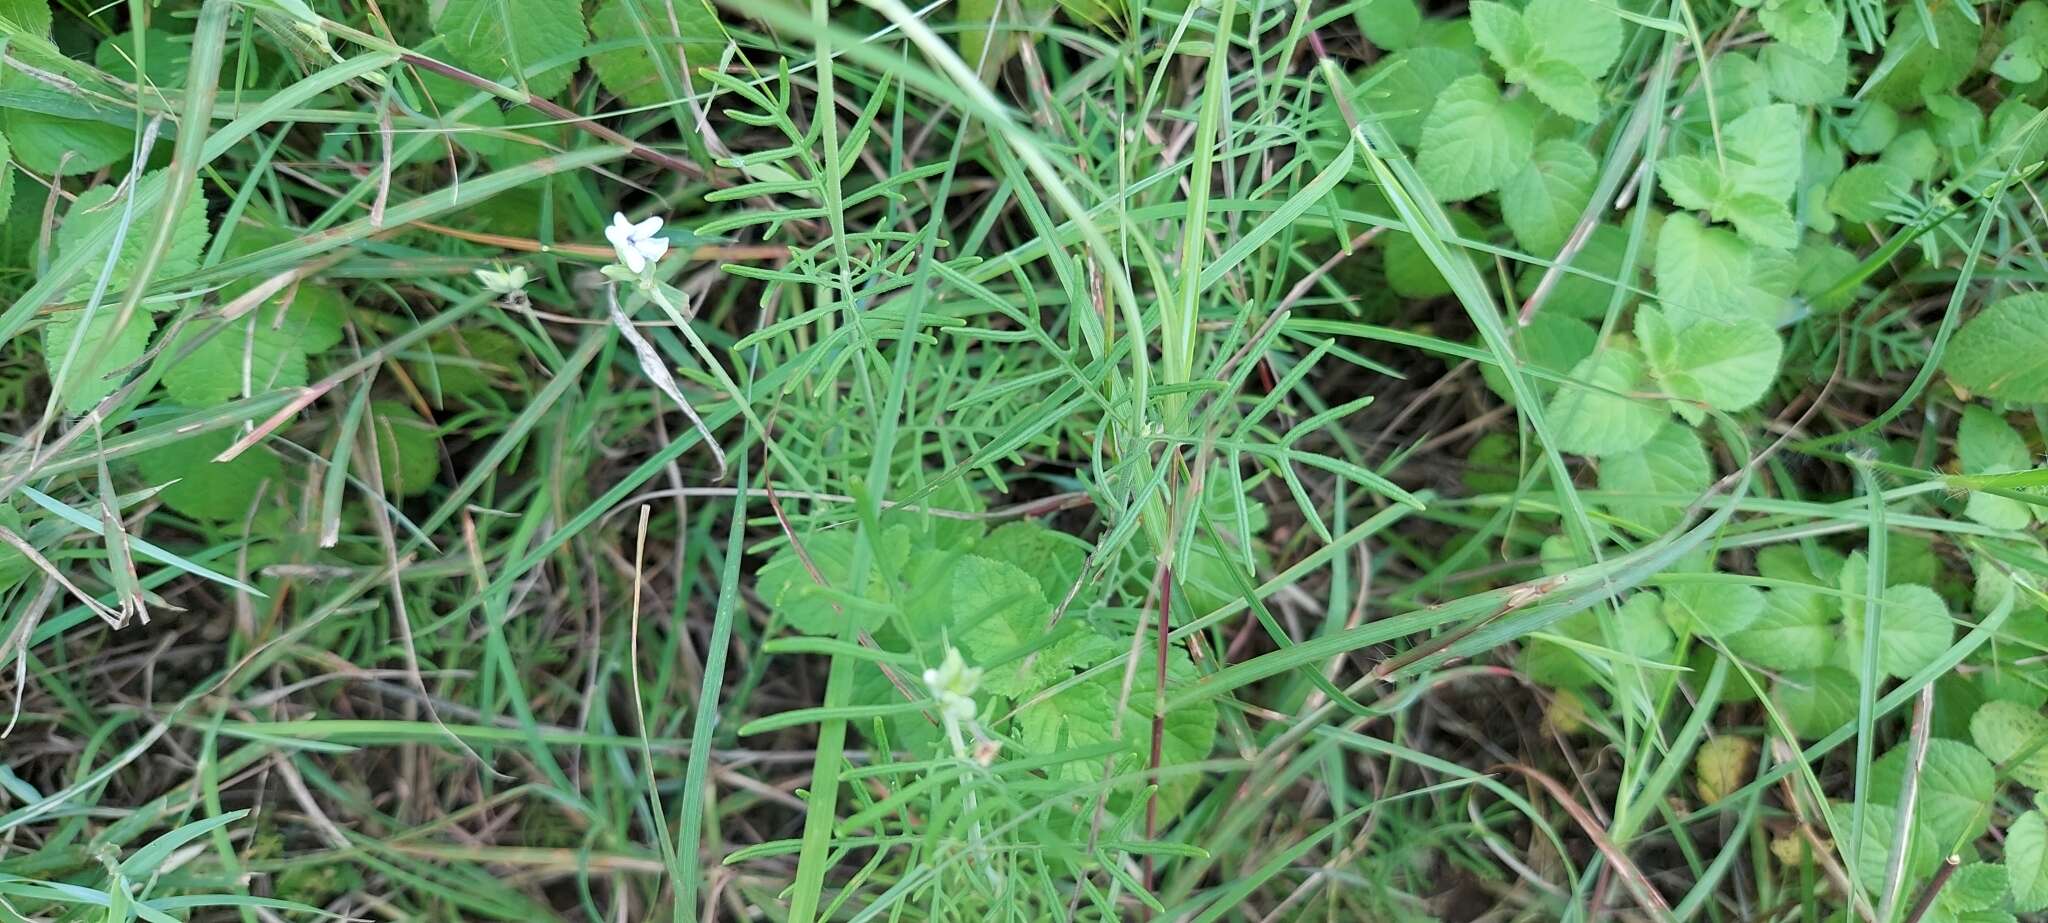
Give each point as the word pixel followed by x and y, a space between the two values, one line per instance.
pixel 953 683
pixel 504 280
pixel 637 244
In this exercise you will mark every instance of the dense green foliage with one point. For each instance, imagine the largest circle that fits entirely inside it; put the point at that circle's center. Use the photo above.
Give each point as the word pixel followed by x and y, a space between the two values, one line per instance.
pixel 1094 459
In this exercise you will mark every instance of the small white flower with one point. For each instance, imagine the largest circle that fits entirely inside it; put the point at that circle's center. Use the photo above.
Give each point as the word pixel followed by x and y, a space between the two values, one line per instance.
pixel 953 683
pixel 504 280
pixel 637 244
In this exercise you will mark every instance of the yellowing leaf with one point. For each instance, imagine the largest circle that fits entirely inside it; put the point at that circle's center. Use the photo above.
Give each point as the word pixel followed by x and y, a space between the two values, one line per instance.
pixel 1722 766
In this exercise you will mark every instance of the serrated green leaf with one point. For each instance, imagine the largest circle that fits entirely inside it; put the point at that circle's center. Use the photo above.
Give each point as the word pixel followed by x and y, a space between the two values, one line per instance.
pixel 1955 122
pixel 1811 26
pixel 86 381
pixel 1499 29
pixel 207 490
pixel 1598 418
pixel 1871 127
pixel 263 351
pixel 1639 627
pixel 1719 610
pixel 2014 140
pixel 1691 180
pixel 1556 48
pixel 1102 14
pixel 1791 634
pixel 1914 629
pixel 1553 343
pixel 1999 352
pixel 1913 155
pixel 469 362
pixel 1391 24
pixel 1086 713
pixel 1825 264
pixel 2019 61
pixel 97 207
pixel 1637 632
pixel 31 16
pixel 1798 77
pixel 1751 183
pixel 248 358
pixel 684 33
pixel 1586 35
pixel 1866 192
pixel 1473 140
pixel 1000 612
pixel 1955 787
pixel 1724 366
pixel 1710 274
pixel 1490 466
pixel 1587 296
pixel 166 58
pixel 1561 87
pixel 502 40
pixel 2026 861
pixel 1402 88
pixel 790 590
pixel 1053 558
pixel 1976 886
pixel 1986 444
pixel 407 449
pixel 1761 220
pixel 1740 84
pixel 1916 65
pixel 1792 563
pixel 1764 151
pixel 2002 729
pixel 1870 859
pixel 1549 663
pixel 1543 202
pixel 65 147
pixel 1815 702
pixel 1410 271
pixel 1673 463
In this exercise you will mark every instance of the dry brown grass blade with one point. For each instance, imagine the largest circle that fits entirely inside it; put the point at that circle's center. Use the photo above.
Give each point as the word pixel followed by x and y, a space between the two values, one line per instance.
pixel 1632 877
